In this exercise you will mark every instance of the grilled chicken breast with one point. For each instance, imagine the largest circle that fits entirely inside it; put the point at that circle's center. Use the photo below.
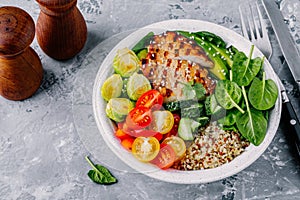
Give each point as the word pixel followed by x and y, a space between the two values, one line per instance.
pixel 168 72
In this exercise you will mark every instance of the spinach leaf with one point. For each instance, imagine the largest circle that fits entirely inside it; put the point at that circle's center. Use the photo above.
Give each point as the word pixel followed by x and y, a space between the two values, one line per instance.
pixel 230 128
pixel 244 69
pixel 230 118
pixel 99 174
pixel 263 93
pixel 228 94
pixel 252 124
pixel 141 45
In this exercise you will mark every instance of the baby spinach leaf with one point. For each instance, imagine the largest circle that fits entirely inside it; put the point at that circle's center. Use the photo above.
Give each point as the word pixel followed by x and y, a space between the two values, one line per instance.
pixel 230 117
pixel 228 94
pixel 252 124
pixel 244 69
pixel 263 93
pixel 99 174
pixel 141 45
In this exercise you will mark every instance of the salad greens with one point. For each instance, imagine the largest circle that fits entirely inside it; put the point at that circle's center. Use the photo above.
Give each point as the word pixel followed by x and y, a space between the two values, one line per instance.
pixel 252 124
pixel 99 174
pixel 244 69
pixel 228 94
pixel 241 102
pixel 263 93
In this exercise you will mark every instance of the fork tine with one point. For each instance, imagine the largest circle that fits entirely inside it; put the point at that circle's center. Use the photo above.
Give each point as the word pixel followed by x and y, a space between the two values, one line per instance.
pixel 262 23
pixel 256 23
pixel 250 25
pixel 244 27
pixel 264 33
pixel 254 28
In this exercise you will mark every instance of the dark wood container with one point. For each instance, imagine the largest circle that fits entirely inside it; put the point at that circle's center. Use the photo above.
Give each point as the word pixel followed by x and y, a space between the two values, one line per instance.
pixel 61 30
pixel 21 71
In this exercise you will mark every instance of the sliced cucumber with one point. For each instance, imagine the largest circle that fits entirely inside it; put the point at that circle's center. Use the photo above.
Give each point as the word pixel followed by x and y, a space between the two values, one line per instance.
pixel 187 127
pixel 193 112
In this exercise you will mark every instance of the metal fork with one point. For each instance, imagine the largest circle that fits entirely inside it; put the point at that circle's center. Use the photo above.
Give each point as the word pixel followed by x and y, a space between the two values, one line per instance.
pixel 255 29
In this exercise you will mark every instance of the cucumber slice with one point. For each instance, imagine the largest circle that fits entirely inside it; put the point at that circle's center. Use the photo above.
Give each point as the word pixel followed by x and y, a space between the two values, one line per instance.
pixel 193 112
pixel 187 127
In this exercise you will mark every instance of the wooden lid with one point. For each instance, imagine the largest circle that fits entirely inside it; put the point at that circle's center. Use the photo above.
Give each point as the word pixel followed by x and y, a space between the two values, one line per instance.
pixel 16 30
pixel 56 5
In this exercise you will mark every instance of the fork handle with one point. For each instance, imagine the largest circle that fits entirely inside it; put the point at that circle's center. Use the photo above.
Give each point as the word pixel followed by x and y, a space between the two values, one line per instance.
pixel 294 123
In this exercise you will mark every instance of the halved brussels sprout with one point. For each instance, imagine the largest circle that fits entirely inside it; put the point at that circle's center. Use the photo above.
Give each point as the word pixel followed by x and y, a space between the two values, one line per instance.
pixel 112 87
pixel 126 62
pixel 137 85
pixel 118 108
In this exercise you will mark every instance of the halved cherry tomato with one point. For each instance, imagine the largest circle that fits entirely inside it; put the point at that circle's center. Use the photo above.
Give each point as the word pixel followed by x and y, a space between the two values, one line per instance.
pixel 162 121
pixel 165 158
pixel 150 99
pixel 127 143
pixel 174 130
pixel 177 144
pixel 145 149
pixel 139 117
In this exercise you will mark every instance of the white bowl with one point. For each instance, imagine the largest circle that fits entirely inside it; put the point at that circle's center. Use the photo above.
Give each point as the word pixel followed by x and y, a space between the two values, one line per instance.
pixel 106 127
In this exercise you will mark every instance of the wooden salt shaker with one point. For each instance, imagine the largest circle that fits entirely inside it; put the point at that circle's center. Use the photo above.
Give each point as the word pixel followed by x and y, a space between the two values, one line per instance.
pixel 61 30
pixel 21 70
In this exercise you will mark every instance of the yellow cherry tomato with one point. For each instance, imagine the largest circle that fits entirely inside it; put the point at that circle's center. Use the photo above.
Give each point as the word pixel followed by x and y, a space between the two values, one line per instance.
pixel 145 149
pixel 177 144
pixel 162 121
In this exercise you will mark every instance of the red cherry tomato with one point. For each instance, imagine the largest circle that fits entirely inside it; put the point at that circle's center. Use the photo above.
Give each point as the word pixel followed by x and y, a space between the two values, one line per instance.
pixel 138 118
pixel 150 99
pixel 165 158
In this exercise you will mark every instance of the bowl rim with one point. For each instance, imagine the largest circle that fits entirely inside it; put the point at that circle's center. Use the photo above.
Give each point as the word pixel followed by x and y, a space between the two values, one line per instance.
pixel 177 176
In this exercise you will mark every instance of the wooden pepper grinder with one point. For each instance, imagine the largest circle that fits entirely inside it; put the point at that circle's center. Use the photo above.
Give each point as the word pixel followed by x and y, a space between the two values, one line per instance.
pixel 21 71
pixel 61 30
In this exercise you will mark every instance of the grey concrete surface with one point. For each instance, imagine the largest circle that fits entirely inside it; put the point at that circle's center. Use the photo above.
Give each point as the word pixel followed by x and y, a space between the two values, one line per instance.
pixel 43 141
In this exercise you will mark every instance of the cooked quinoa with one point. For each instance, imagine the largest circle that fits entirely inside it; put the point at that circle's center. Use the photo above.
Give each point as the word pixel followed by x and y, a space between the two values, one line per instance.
pixel 212 148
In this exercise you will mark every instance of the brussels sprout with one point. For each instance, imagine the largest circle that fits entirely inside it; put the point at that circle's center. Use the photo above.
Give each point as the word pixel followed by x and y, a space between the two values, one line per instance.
pixel 112 87
pixel 118 108
pixel 137 85
pixel 126 62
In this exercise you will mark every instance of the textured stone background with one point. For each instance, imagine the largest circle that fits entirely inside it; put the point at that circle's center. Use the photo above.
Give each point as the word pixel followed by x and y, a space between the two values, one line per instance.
pixel 41 144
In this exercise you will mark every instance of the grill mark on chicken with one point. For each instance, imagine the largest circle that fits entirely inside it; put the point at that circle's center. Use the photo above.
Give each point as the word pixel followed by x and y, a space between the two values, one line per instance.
pixel 167 74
